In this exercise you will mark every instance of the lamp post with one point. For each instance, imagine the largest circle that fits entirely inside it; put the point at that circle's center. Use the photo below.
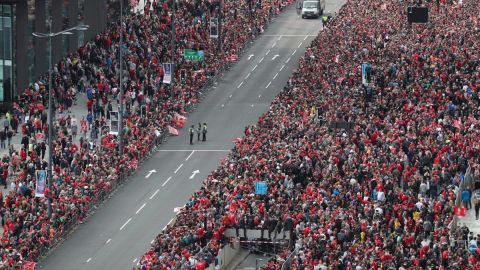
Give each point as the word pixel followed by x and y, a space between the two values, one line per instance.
pixel 256 263
pixel 120 85
pixel 50 35
pixel 172 93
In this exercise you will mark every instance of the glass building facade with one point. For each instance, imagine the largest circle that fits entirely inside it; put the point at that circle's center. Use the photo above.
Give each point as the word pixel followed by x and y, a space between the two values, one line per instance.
pixel 24 58
pixel 6 51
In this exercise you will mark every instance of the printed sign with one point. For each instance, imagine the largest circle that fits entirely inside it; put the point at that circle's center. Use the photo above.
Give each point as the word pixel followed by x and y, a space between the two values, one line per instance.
pixel 260 188
pixel 167 76
pixel 41 181
pixel 193 55
pixel 114 123
pixel 214 28
pixel 366 74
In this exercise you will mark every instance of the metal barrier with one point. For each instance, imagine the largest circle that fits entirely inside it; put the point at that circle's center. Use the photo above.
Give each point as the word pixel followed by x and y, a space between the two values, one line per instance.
pixel 287 264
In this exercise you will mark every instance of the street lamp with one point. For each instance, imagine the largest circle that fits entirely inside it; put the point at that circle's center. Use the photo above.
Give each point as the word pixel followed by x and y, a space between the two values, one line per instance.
pixel 49 35
pixel 256 263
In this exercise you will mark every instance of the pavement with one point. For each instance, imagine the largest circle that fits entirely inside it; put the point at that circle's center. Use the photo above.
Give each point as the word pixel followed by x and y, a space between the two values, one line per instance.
pixel 78 110
pixel 469 220
pixel 121 230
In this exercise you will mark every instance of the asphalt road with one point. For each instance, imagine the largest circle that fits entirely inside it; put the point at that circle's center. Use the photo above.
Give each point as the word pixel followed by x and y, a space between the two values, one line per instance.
pixel 123 228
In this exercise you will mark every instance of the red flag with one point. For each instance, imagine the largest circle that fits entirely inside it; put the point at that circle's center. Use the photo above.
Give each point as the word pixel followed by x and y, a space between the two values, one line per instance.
pixel 172 131
pixel 28 266
pixel 460 211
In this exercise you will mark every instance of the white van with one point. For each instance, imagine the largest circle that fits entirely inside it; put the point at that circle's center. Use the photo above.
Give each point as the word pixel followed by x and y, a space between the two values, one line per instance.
pixel 312 8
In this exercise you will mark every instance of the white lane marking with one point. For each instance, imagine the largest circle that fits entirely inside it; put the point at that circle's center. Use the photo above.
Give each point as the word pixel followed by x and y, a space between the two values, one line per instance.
pixel 194 173
pixel 275 56
pixel 255 67
pixel 181 165
pixel 248 75
pixel 150 173
pixel 108 241
pixel 250 56
pixel 198 150
pixel 275 76
pixel 294 52
pixel 151 242
pixel 193 151
pixel 288 60
pixel 166 181
pixel 299 44
pixel 240 85
pixel 229 97
pixel 261 60
pixel 279 37
pixel 153 195
pixel 267 52
pixel 305 38
pixel 282 67
pixel 135 260
pixel 125 224
pixel 140 209
pixel 88 260
pixel 275 43
pixel 170 222
pixel 268 84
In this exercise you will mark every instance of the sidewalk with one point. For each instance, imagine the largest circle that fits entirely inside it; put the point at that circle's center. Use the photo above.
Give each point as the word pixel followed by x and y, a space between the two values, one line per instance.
pixel 469 220
pixel 79 110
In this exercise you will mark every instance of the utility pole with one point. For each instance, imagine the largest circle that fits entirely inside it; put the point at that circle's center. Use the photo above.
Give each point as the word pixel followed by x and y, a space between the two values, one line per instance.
pixel 172 83
pixel 120 85
pixel 220 36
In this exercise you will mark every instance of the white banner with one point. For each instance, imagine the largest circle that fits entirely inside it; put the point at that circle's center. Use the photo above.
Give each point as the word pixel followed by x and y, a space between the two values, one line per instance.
pixel 167 74
pixel 41 181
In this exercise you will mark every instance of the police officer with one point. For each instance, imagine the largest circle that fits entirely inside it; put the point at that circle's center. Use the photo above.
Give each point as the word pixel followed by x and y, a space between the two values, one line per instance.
pixel 324 20
pixel 204 132
pixel 199 131
pixel 191 130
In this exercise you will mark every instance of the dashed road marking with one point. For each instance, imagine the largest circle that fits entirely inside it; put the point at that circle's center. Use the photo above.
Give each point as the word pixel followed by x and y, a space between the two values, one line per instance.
pixel 166 181
pixel 294 52
pixel 248 75
pixel 305 38
pixel 255 67
pixel 134 260
pixel 181 165
pixel 299 44
pixel 194 150
pixel 261 60
pixel 288 60
pixel 88 260
pixel 282 67
pixel 140 209
pixel 154 194
pixel 275 76
pixel 108 241
pixel 268 84
pixel 240 85
pixel 125 224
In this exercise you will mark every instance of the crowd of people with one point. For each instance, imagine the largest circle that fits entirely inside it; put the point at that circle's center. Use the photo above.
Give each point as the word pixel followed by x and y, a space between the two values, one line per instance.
pixel 88 168
pixel 365 173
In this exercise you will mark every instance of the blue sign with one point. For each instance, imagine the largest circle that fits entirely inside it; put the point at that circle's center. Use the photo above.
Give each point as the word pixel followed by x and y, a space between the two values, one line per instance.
pixel 41 180
pixel 261 188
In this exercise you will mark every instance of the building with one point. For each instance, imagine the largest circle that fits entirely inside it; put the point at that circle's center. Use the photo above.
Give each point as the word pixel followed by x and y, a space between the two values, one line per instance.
pixel 23 58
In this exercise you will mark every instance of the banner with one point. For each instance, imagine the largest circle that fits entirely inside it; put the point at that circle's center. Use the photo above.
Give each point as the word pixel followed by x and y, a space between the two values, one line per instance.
pixel 114 123
pixel 366 74
pixel 260 188
pixel 214 28
pixel 41 181
pixel 167 75
pixel 193 55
